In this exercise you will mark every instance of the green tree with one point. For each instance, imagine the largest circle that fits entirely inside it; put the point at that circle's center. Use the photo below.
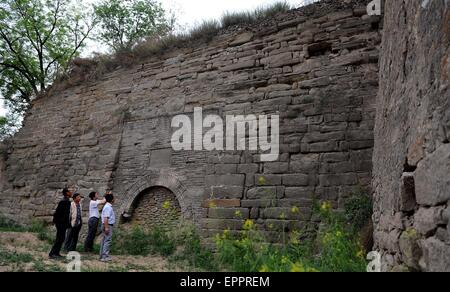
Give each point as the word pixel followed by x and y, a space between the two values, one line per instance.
pixel 38 39
pixel 8 126
pixel 124 23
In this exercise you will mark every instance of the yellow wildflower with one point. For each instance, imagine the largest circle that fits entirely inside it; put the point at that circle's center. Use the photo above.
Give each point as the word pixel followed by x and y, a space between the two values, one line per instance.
pixel 166 205
pixel 299 268
pixel 249 224
pixel 360 254
pixel 264 269
pixel 261 180
pixel 326 206
pixel 295 210
pixel 238 214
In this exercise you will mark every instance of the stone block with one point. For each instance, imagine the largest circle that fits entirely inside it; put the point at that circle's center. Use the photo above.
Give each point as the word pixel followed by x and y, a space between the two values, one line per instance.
pixel 266 193
pixel 276 167
pixel 267 179
pixel 228 213
pixel 227 192
pixel 295 180
pixel 221 203
pixel 432 179
pixel 436 255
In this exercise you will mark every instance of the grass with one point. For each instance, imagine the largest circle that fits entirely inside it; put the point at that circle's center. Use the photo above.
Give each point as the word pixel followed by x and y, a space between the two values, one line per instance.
pixel 7 225
pixel 9 257
pixel 39 266
pixel 246 18
pixel 141 242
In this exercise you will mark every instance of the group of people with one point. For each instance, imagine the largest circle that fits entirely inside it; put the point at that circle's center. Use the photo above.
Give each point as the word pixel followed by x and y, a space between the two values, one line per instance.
pixel 68 222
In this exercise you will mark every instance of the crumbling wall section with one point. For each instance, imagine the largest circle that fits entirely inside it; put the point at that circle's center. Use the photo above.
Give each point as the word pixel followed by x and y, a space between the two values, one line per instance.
pixel 412 133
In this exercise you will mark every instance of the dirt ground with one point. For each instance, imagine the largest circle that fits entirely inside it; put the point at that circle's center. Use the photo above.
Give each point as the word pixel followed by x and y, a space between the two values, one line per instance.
pixel 25 252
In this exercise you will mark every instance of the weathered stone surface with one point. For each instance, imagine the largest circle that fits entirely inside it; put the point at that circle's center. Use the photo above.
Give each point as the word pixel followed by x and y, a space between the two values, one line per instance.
pixel 432 178
pixel 228 213
pixel 426 220
pixel 295 180
pixel 411 159
pixel 242 39
pixel 436 255
pixel 409 246
pixel 270 193
pixel 221 203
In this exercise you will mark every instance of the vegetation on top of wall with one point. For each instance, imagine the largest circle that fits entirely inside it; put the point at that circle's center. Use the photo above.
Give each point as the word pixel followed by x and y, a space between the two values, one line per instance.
pixel 87 69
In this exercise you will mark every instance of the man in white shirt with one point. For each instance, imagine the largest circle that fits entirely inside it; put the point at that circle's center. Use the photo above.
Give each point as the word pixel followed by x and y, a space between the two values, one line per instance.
pixel 94 217
pixel 108 221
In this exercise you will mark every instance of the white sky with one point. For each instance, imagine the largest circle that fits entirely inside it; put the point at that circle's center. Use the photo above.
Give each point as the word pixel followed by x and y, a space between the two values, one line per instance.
pixel 192 12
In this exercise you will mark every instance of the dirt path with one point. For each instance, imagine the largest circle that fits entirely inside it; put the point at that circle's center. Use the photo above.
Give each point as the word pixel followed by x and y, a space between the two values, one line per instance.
pixel 25 252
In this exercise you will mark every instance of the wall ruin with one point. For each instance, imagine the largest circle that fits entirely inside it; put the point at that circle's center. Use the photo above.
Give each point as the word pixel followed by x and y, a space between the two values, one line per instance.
pixel 317 67
pixel 412 151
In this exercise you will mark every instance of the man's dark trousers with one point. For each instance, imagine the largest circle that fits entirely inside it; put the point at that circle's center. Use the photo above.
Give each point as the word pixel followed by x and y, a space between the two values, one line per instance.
pixel 59 241
pixel 92 232
pixel 72 239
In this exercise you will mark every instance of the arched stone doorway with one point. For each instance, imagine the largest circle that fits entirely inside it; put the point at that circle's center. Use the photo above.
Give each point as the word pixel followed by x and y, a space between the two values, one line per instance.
pixel 155 206
pixel 162 179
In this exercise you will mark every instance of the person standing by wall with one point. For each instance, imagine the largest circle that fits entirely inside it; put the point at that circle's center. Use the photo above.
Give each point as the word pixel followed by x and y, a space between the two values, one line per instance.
pixel 61 219
pixel 94 218
pixel 108 221
pixel 75 222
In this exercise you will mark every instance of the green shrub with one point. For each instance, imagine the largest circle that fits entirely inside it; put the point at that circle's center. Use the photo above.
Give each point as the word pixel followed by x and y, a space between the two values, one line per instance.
pixel 205 31
pixel 41 229
pixel 141 242
pixel 10 257
pixel 40 266
pixel 236 18
pixel 8 225
pixel 338 244
pixel 359 209
pixel 191 250
pixel 240 18
pixel 336 248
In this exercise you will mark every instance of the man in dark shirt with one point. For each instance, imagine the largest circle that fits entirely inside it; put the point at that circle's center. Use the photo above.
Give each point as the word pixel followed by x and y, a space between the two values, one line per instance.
pixel 61 219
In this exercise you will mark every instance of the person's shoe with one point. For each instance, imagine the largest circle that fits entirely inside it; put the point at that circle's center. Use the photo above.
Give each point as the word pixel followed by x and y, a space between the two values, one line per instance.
pixel 105 260
pixel 55 257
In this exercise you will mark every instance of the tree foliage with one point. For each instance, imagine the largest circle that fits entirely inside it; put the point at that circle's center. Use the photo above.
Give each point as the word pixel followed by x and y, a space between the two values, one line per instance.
pixel 9 125
pixel 124 23
pixel 38 39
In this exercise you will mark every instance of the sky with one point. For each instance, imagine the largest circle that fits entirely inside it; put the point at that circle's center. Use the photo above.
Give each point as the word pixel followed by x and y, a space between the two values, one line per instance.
pixel 192 12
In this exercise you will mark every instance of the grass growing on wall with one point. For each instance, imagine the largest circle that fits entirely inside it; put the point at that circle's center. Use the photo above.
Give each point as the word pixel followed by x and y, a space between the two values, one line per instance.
pixel 203 33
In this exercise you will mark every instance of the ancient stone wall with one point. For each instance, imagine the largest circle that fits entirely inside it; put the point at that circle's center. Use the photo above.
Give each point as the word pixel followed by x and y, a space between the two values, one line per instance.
pixel 315 67
pixel 412 150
